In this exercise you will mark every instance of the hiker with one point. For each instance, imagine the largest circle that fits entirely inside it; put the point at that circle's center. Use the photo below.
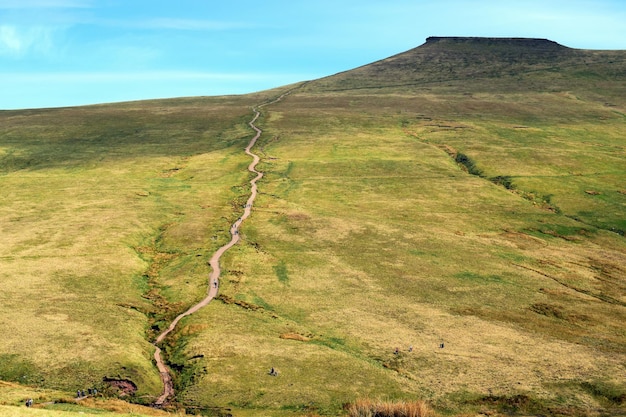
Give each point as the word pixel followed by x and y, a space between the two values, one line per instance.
pixel 396 352
pixel 273 372
pixel 441 345
pixel 78 394
pixel 411 348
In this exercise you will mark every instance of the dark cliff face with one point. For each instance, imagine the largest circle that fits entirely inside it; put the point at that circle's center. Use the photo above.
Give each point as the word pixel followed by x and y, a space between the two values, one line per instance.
pixel 530 43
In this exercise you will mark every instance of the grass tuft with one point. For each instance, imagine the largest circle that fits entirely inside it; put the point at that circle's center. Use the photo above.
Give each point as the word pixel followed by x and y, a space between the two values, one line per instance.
pixel 378 408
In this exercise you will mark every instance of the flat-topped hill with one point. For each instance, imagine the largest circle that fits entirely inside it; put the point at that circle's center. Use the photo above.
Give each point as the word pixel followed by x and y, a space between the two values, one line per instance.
pixel 534 44
pixel 446 224
pixel 483 64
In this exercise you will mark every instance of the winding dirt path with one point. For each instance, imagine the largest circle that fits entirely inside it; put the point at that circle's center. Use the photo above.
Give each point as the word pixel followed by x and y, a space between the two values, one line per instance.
pixel 166 377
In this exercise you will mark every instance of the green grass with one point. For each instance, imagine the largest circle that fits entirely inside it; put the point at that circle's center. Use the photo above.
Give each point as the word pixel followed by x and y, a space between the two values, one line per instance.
pixel 26 412
pixel 54 403
pixel 389 243
pixel 86 222
pixel 366 236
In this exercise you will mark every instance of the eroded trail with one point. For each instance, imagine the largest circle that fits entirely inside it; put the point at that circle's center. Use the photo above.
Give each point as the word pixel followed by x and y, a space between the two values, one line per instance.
pixel 166 377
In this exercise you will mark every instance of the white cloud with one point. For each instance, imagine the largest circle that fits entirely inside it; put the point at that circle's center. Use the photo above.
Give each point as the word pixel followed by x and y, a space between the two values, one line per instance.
pixel 10 41
pixel 17 41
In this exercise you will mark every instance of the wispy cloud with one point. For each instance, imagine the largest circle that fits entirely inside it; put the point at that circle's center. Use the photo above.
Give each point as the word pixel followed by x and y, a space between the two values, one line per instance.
pixel 10 41
pixel 31 26
pixel 45 4
pixel 17 41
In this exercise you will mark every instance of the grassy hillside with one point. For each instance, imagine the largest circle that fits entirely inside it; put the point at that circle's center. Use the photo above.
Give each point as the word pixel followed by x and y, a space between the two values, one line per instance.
pixel 472 65
pixel 108 216
pixel 369 236
pixel 54 403
pixel 466 194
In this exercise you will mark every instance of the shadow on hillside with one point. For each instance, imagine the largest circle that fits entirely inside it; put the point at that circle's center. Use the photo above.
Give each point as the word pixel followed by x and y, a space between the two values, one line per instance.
pixel 73 137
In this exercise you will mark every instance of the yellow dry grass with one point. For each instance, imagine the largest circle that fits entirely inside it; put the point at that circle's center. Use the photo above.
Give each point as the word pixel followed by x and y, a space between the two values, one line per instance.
pixel 366 237
pixel 52 403
pixel 367 240
pixel 86 219
pixel 370 408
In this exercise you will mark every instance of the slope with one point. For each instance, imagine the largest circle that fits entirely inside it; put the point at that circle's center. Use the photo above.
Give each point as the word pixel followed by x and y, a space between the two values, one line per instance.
pixel 107 216
pixel 461 203
pixel 458 65
pixel 368 236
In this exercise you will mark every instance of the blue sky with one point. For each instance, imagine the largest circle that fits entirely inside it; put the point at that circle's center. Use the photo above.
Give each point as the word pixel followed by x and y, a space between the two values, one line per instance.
pixel 74 52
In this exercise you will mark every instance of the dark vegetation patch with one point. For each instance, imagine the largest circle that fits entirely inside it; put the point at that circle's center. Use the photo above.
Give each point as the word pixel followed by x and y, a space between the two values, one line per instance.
pixel 543 201
pixel 93 134
pixel 569 233
pixel 515 405
pixel 162 311
pixel 186 370
pixel 244 304
pixel 503 180
pixel 281 272
pixel 469 165
pixel 469 276
pixel 548 310
pixel 559 312
pixel 15 368
pixel 590 218
pixel 607 392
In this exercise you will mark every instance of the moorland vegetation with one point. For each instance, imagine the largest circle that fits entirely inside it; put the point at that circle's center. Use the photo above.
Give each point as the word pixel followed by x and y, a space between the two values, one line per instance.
pixel 442 229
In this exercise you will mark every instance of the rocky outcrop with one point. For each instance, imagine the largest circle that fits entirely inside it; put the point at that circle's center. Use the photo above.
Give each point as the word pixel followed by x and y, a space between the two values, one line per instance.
pixel 532 43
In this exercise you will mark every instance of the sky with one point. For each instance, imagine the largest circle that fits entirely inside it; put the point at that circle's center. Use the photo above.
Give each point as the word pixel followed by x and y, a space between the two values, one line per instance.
pixel 56 53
